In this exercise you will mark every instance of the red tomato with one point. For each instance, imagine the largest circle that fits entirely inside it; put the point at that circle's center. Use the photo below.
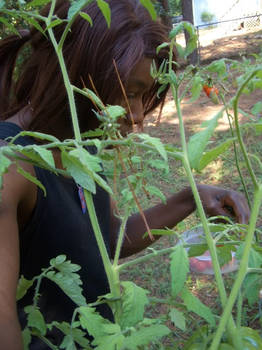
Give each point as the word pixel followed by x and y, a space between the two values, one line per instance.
pixel 209 89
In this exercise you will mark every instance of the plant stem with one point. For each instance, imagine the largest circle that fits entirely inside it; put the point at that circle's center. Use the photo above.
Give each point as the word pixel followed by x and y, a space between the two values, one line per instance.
pixel 120 238
pixel 46 341
pixel 209 239
pixel 66 79
pixel 111 271
pixel 144 258
pixel 235 153
pixel 242 269
pixel 238 132
pixel 239 309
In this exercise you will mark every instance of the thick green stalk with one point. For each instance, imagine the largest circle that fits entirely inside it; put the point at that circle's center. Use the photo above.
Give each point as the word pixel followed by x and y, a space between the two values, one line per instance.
pixel 199 205
pixel 111 272
pixel 242 269
pixel 120 239
pixel 201 212
pixel 66 79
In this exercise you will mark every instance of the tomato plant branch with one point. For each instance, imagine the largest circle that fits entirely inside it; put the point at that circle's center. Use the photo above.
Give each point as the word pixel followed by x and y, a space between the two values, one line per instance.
pixel 69 25
pixel 235 152
pixel 120 238
pixel 45 340
pixel 66 79
pixel 238 132
pixel 201 212
pixel 111 272
pixel 242 269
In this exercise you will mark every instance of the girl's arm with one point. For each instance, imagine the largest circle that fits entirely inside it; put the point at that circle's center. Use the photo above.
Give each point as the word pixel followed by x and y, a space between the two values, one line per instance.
pixel 216 201
pixel 16 199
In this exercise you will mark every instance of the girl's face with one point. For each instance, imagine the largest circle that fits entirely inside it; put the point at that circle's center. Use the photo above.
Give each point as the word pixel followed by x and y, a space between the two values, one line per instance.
pixel 139 83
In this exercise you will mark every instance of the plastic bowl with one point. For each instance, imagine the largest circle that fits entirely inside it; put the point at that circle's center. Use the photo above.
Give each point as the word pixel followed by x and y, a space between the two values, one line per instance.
pixel 203 264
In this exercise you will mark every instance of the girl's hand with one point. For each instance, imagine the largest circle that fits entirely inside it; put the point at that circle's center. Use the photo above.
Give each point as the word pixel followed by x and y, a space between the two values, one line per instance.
pixel 219 201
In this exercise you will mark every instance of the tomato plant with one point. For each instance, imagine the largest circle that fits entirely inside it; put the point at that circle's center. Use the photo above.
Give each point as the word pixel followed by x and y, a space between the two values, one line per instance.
pixel 130 330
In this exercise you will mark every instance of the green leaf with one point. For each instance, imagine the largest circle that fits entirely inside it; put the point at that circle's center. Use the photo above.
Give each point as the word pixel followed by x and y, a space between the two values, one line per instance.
pixel 255 258
pixel 105 9
pixel 197 250
pixel 68 343
pixel 4 165
pixel 156 232
pixel 198 142
pixel 196 88
pixel 76 6
pixel 35 3
pixel 92 133
pixel 218 67
pixel 224 254
pixel 178 29
pixel 178 318
pixel 115 111
pixel 67 279
pixel 36 135
pixel 34 23
pixel 162 88
pixel 60 259
pixel 86 17
pixel 257 108
pixel 22 287
pixel 31 178
pixel 150 8
pixel 77 334
pixel 145 336
pixel 180 50
pixel 70 284
pixel 78 171
pixel 155 142
pixel 46 155
pixel 106 335
pixel 2 3
pixel 38 155
pixel 179 267
pixel 194 304
pixel 55 23
pixel 251 287
pixel 26 334
pixel 102 183
pixel 35 319
pixel 134 300
pixel 159 164
pixel 209 156
pixel 155 191
pixel 163 45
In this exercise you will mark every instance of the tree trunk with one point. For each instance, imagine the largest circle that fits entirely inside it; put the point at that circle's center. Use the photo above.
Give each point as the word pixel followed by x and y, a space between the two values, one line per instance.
pixel 165 15
pixel 187 12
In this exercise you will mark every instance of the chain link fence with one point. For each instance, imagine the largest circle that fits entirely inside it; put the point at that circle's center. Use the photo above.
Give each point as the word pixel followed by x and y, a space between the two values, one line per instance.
pixel 208 33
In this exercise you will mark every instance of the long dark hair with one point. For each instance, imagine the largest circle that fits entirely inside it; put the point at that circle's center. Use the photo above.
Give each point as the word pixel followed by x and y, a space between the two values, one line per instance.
pixel 88 51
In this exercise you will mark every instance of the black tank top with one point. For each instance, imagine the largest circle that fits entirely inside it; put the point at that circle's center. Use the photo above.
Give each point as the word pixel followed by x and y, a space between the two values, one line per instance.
pixel 58 226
